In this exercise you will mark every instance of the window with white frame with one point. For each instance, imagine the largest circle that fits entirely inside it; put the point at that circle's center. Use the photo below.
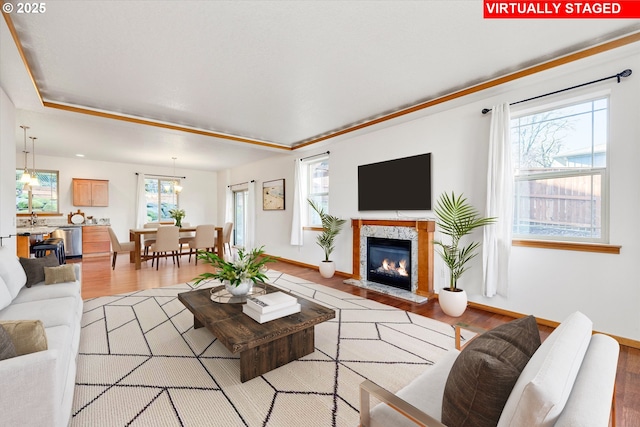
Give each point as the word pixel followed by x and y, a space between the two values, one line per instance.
pixel 40 196
pixel 161 196
pixel 560 172
pixel 316 172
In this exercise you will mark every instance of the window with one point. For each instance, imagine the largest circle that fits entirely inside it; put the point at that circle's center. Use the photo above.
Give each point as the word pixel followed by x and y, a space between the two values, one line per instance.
pixel 161 197
pixel 42 198
pixel 317 179
pixel 560 162
pixel 240 202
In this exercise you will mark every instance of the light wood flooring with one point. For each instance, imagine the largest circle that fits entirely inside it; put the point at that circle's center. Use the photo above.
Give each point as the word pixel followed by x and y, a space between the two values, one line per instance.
pixel 98 279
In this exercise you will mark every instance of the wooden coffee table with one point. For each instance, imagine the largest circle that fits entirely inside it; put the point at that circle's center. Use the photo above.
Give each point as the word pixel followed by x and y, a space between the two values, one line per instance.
pixel 262 347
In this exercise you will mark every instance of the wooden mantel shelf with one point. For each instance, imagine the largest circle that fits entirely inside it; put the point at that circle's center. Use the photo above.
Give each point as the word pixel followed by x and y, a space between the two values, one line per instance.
pixel 425 228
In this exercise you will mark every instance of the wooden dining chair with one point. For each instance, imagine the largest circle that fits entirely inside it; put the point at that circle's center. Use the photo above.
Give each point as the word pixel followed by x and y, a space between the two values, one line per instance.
pixel 167 240
pixel 205 238
pixel 118 246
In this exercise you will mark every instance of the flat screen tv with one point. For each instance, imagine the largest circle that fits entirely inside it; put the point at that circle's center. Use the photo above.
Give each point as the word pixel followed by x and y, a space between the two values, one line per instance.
pixel 396 185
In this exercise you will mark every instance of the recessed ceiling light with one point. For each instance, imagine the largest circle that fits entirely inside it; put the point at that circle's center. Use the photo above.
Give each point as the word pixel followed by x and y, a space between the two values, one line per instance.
pixel 79 155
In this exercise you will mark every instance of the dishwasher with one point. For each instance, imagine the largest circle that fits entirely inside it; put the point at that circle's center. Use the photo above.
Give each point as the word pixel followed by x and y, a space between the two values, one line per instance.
pixel 72 237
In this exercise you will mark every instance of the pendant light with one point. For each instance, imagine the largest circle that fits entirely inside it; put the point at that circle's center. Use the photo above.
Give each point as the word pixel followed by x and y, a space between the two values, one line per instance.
pixel 176 187
pixel 26 177
pixel 34 177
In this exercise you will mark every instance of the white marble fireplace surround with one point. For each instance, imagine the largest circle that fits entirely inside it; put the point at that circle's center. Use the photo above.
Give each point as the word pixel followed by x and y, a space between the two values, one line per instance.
pixel 389 232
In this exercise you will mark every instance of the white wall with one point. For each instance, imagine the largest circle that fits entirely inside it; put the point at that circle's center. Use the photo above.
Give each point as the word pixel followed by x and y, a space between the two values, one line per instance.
pixel 198 198
pixel 7 170
pixel 547 283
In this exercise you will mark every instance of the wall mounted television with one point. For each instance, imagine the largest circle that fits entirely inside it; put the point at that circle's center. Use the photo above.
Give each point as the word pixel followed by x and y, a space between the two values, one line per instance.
pixel 395 185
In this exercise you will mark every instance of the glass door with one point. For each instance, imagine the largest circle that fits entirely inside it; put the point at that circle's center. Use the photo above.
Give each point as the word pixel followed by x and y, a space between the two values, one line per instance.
pixel 240 200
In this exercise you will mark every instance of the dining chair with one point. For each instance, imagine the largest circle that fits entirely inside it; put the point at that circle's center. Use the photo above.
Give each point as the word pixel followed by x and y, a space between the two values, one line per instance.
pixel 118 246
pixel 226 236
pixel 205 238
pixel 167 240
pixel 186 236
pixel 150 239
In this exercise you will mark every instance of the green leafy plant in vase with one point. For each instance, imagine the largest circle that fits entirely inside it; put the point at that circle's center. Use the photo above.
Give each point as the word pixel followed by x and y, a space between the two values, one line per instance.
pixel 456 218
pixel 238 275
pixel 331 227
pixel 177 214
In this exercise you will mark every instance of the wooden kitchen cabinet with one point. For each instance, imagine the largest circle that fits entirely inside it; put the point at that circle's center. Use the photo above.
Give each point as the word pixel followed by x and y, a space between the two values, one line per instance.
pixel 90 192
pixel 95 240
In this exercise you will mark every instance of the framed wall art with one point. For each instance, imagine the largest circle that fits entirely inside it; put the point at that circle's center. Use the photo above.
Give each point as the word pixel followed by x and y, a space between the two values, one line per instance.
pixel 273 195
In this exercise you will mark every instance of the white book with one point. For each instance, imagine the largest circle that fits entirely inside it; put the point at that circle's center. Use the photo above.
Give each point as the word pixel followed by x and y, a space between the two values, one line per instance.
pixel 271 302
pixel 262 318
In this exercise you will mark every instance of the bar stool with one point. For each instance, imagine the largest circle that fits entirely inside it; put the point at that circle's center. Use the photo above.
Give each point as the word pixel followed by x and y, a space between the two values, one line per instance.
pixel 53 244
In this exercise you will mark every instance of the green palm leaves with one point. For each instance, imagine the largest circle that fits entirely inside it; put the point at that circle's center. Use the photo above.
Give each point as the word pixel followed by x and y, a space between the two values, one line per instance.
pixel 456 218
pixel 331 227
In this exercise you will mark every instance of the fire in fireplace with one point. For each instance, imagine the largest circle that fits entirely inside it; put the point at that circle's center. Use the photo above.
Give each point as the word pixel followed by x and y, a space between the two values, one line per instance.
pixel 389 262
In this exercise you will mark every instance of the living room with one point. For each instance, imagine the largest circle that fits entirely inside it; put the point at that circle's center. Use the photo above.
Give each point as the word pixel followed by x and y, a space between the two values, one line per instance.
pixel 548 283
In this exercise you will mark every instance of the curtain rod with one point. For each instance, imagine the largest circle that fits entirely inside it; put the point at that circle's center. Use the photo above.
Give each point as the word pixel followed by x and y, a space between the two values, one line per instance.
pixel 315 155
pixel 625 73
pixel 240 183
pixel 162 176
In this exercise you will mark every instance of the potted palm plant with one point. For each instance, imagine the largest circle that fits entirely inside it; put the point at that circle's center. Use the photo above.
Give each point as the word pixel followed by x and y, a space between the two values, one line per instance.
pixel 456 218
pixel 331 227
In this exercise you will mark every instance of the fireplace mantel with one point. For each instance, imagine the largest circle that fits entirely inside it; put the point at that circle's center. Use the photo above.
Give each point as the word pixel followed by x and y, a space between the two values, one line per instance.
pixel 425 229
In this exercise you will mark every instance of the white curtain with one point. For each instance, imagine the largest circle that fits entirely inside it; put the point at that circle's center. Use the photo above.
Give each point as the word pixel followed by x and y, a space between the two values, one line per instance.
pixel 250 238
pixel 141 202
pixel 497 237
pixel 299 204
pixel 228 208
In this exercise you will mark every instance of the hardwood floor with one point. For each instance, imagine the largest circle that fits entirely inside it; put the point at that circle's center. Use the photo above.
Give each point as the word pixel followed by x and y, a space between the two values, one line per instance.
pixel 99 280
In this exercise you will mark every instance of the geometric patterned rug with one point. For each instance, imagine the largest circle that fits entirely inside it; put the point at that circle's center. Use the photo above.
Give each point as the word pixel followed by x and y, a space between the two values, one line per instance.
pixel 141 363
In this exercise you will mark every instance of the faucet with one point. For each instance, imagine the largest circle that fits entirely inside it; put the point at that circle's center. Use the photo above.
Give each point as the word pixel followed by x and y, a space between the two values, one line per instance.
pixel 34 219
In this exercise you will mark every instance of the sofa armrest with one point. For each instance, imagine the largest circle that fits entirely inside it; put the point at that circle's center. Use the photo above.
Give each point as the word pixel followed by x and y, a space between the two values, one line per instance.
pixel 592 398
pixel 29 395
pixel 369 388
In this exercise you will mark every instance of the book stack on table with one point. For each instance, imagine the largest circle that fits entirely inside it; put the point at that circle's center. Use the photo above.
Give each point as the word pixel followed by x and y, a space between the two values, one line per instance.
pixel 271 306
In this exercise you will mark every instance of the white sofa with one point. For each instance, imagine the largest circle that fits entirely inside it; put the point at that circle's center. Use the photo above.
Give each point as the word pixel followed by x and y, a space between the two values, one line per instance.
pixel 567 382
pixel 36 389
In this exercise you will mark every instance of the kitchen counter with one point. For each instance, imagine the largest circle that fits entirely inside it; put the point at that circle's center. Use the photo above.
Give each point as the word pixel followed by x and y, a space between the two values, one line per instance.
pixel 38 230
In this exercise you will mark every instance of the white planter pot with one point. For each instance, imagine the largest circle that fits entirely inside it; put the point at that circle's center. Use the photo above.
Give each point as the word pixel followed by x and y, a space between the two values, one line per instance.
pixel 242 289
pixel 327 269
pixel 453 303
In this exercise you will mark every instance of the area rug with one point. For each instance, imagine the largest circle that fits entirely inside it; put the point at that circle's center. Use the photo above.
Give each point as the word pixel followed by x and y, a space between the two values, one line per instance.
pixel 141 363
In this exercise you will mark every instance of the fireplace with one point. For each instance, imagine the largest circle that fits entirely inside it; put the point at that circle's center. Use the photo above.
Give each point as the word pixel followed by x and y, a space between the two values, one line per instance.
pixel 389 262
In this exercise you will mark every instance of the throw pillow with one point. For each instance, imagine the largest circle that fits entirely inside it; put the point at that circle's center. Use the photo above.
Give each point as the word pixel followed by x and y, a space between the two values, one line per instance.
pixel 60 274
pixel 7 349
pixel 485 372
pixel 28 336
pixel 34 267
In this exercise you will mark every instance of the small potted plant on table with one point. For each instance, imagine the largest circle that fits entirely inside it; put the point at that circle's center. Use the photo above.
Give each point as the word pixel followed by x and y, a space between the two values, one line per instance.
pixel 239 275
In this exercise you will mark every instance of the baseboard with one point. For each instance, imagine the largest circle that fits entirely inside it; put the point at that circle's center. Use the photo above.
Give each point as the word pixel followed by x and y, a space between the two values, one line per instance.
pixel 311 266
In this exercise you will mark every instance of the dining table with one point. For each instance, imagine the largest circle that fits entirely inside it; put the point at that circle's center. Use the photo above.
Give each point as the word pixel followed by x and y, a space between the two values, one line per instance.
pixel 135 235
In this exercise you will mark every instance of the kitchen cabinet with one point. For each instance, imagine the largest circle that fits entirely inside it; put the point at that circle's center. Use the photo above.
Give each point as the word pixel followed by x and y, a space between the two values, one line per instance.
pixel 90 192
pixel 95 241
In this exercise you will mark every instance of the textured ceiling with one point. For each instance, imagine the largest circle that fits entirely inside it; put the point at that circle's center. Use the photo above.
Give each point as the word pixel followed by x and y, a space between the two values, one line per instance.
pixel 281 72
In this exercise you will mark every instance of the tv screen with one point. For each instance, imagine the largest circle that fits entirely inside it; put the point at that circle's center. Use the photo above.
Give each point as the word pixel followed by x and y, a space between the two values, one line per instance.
pixel 396 185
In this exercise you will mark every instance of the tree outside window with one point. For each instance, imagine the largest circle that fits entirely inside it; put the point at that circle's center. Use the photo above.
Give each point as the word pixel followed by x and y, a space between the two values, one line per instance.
pixel 560 162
